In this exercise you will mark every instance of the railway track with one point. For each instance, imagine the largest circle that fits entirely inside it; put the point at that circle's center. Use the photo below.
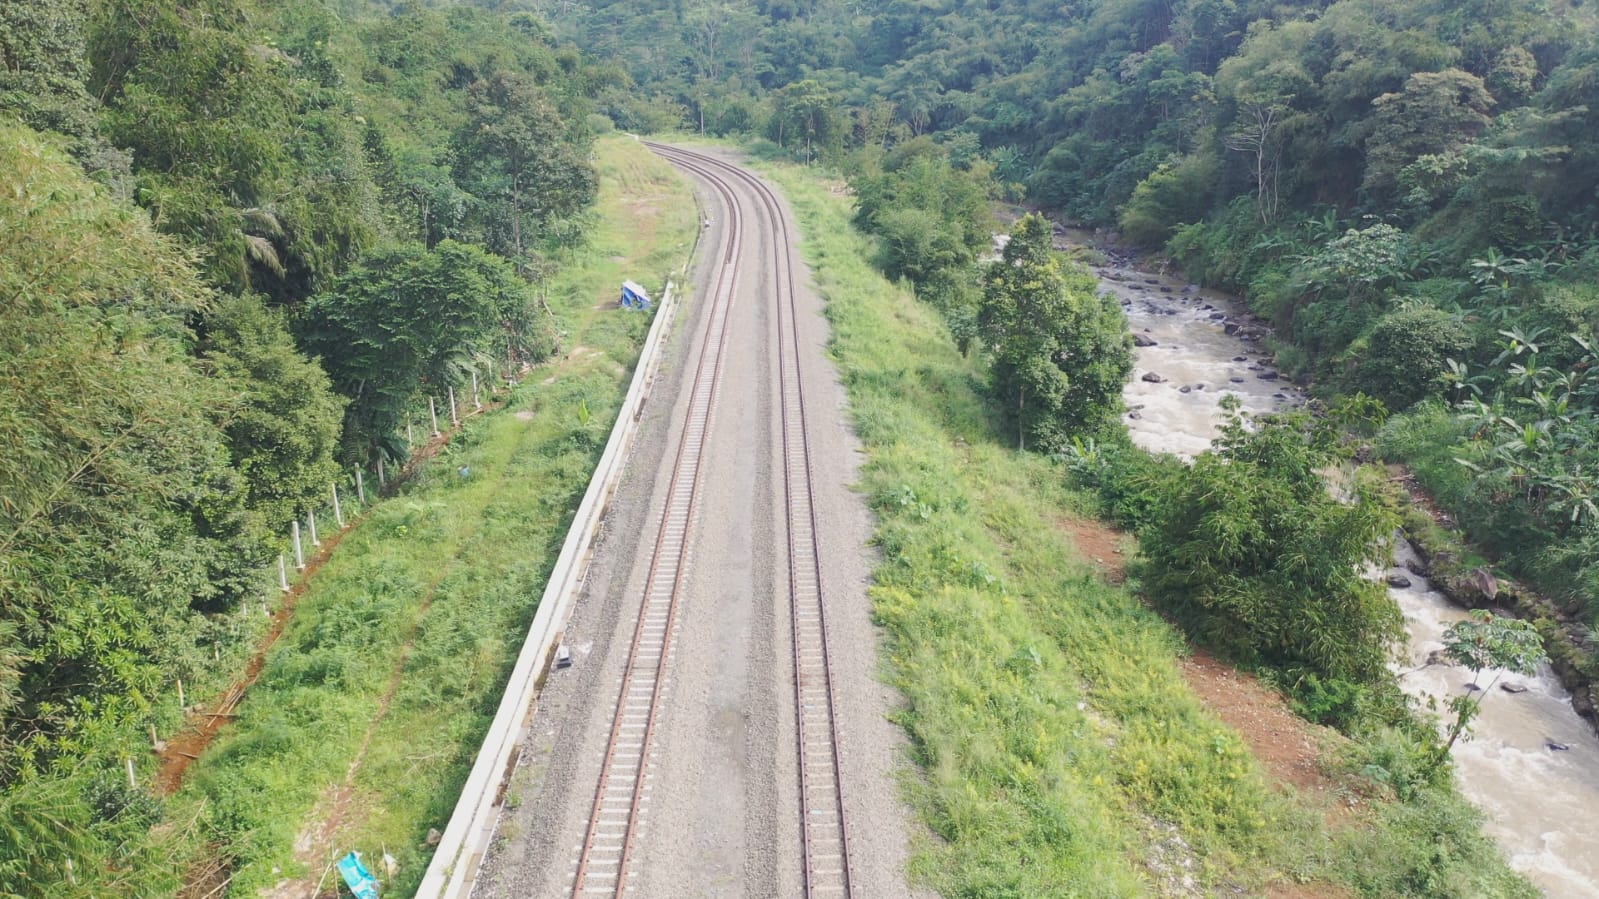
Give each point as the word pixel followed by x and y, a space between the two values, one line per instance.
pixel 824 831
pixel 622 795
pixel 605 863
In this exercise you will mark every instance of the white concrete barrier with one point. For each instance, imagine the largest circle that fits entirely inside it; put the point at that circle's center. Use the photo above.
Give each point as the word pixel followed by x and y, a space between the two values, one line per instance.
pixel 454 867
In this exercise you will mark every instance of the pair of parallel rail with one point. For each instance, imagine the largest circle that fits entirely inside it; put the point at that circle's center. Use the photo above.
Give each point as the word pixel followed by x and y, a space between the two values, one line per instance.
pixel 605 865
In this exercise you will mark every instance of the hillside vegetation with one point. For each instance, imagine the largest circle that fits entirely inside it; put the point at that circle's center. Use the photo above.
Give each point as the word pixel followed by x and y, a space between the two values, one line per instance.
pixel 241 246
pixel 1058 750
pixel 1407 190
pixel 245 245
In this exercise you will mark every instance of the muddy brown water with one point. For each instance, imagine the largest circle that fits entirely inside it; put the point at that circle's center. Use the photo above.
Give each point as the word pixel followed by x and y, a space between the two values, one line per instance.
pixel 1536 799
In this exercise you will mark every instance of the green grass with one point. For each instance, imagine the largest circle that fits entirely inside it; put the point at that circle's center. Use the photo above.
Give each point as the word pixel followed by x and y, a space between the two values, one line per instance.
pixel 1056 744
pixel 399 648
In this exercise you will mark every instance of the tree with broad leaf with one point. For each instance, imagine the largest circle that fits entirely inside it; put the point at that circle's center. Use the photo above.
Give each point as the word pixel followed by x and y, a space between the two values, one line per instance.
pixel 410 321
pixel 1482 642
pixel 517 155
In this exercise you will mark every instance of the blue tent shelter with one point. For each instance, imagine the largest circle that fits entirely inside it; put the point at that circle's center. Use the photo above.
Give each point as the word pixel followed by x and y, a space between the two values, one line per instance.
pixel 635 297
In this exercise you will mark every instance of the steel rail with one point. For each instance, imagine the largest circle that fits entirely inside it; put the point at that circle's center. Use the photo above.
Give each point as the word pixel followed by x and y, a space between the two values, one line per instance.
pixel 603 864
pixel 824 831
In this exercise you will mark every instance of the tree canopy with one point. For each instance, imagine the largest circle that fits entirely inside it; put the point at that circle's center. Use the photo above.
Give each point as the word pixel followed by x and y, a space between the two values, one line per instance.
pixel 1061 351
pixel 239 243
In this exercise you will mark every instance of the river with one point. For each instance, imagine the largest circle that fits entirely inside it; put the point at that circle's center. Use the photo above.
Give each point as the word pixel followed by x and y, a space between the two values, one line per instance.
pixel 1536 799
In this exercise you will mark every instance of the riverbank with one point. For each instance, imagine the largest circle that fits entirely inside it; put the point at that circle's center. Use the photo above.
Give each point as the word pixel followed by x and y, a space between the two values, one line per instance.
pixel 1460 571
pixel 1510 769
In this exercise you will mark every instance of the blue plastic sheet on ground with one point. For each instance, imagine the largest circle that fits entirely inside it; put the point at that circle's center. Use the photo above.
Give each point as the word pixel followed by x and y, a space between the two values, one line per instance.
pixel 360 880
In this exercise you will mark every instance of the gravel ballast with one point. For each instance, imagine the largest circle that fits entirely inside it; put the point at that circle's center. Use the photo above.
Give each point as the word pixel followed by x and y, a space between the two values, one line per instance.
pixel 722 816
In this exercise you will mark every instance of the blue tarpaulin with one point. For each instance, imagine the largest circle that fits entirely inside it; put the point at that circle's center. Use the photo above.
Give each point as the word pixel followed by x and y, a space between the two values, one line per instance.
pixel 634 297
pixel 361 881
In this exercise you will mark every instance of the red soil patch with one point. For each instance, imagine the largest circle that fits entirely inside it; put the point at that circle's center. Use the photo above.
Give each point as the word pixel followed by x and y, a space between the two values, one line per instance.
pixel 1288 745
pixel 186 747
pixel 1099 544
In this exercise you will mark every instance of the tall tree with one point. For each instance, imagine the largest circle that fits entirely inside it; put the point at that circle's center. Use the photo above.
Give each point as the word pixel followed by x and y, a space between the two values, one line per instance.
pixel 520 158
pixel 44 70
pixel 408 320
pixel 1437 113
pixel 283 419
pixel 1061 351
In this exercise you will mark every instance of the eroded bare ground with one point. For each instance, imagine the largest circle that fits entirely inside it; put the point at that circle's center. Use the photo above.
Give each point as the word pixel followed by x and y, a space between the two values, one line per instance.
pixel 1289 747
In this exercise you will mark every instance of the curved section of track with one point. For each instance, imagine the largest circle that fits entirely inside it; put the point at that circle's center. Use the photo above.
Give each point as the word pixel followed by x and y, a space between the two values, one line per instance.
pixel 823 828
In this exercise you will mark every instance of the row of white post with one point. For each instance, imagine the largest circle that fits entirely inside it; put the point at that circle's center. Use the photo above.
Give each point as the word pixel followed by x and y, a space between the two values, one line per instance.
pixel 295 534
pixel 295 539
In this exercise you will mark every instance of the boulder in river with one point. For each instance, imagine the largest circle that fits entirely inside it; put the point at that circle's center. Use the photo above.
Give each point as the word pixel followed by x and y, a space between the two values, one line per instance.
pixel 1217 316
pixel 1236 380
pixel 1135 415
pixel 1230 328
pixel 1513 688
pixel 1556 746
pixel 1185 389
pixel 1267 376
pixel 1142 340
pixel 1240 358
pixel 1165 290
pixel 1152 378
pixel 1398 581
pixel 1582 702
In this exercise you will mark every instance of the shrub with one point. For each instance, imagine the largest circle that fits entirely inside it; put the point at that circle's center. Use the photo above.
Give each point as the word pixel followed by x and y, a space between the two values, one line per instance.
pixel 1408 354
pixel 1252 556
pixel 1172 195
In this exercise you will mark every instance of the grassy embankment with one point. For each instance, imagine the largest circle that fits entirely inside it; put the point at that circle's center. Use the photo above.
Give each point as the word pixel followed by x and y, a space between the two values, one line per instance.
pixel 1056 740
pixel 371 707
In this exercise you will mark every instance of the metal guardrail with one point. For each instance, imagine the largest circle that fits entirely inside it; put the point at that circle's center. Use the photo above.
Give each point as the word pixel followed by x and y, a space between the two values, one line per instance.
pixel 453 871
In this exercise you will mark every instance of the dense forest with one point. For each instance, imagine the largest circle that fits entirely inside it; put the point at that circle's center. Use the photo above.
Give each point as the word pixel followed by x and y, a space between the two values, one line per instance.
pixel 240 243
pixel 1407 191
